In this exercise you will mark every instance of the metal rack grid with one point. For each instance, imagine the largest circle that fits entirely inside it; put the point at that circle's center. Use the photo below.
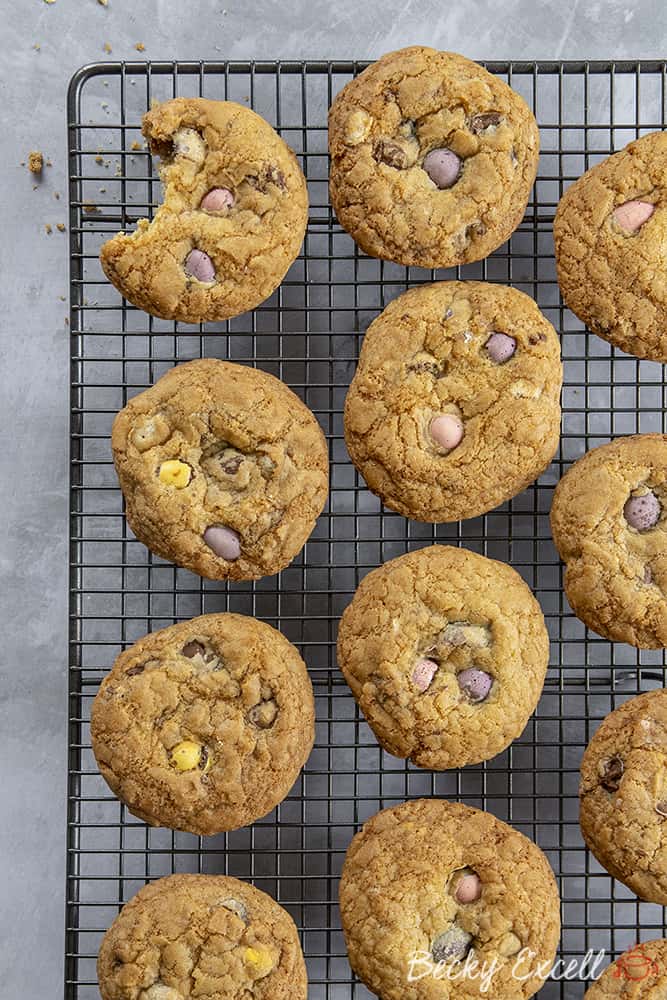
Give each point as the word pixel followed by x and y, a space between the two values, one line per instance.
pixel 309 335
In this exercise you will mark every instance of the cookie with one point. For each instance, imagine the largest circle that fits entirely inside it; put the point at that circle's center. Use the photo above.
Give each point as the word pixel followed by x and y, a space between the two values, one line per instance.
pixel 609 524
pixel 430 883
pixel 223 469
pixel 204 726
pixel 455 405
pixel 640 973
pixel 446 653
pixel 610 233
pixel 232 221
pixel 188 936
pixel 623 795
pixel 432 158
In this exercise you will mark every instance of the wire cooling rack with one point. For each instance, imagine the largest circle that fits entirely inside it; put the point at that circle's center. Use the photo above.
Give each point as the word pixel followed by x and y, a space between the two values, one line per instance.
pixel 309 335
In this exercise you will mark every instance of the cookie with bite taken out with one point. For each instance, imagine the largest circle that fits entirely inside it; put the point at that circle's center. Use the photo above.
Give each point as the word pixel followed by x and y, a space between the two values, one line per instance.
pixel 232 221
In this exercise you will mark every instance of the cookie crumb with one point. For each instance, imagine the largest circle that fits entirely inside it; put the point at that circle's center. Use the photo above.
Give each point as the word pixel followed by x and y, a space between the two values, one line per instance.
pixel 49 1
pixel 60 226
pixel 37 47
pixel 56 195
pixel 107 48
pixel 90 209
pixel 103 3
pixel 135 145
pixel 49 229
pixel 99 159
pixel 35 162
pixel 140 47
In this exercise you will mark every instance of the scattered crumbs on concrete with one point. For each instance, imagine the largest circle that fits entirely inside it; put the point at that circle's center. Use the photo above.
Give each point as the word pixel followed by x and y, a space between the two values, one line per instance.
pixel 140 47
pixel 60 226
pixel 35 161
pixel 49 229
pixel 135 145
pixel 107 48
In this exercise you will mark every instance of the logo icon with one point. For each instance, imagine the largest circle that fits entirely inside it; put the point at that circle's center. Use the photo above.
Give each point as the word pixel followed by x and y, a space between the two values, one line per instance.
pixel 635 965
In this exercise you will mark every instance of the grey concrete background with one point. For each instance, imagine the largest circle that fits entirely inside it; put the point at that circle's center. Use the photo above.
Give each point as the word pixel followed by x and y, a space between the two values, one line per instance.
pixel 43 45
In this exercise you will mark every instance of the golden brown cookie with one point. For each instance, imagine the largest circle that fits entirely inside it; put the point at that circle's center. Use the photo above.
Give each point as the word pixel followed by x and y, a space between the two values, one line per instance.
pixel 432 884
pixel 432 158
pixel 610 233
pixel 446 652
pixel 224 470
pixel 610 527
pixel 232 221
pixel 189 936
pixel 639 974
pixel 455 405
pixel 623 795
pixel 204 726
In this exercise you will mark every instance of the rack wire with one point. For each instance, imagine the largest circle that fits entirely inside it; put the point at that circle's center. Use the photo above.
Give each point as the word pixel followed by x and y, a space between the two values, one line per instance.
pixel 309 334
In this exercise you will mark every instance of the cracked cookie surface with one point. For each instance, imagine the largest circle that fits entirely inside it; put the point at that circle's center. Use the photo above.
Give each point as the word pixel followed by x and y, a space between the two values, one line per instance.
pixel 204 726
pixel 441 350
pixel 400 898
pixel 419 630
pixel 432 158
pixel 234 193
pixel 616 572
pixel 610 234
pixel 638 974
pixel 623 795
pixel 187 936
pixel 223 468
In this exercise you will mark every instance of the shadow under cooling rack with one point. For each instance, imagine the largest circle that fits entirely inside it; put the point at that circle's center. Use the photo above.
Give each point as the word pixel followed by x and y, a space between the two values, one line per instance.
pixel 309 334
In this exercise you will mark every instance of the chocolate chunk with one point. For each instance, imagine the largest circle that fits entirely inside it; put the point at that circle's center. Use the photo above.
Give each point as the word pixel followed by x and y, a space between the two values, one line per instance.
pixel 479 123
pixel 661 807
pixel 391 152
pixel 270 175
pixel 452 946
pixel 232 465
pixel 192 649
pixel 611 772
pixel 137 669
